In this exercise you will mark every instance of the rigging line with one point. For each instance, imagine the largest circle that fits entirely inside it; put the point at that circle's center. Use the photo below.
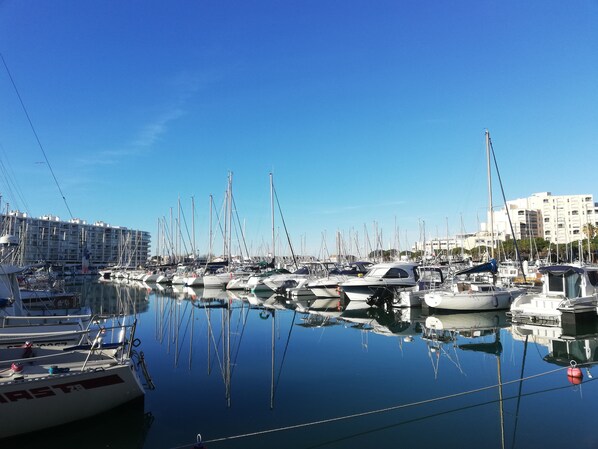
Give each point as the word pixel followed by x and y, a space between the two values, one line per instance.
pixel 35 134
pixel 239 224
pixel 378 411
pixel 11 180
pixel 216 344
pixel 519 393
pixel 186 327
pixel 285 229
pixel 186 229
pixel 240 339
pixel 435 415
pixel 284 354
pixel 507 209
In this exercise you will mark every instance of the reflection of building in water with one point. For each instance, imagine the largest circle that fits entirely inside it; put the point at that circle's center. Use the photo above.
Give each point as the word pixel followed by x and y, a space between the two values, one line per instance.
pixel 106 298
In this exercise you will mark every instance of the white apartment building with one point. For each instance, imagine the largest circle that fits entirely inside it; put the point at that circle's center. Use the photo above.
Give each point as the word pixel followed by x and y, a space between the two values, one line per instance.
pixel 51 240
pixel 556 218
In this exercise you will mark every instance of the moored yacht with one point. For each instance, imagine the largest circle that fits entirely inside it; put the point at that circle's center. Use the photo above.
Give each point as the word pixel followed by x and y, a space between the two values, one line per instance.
pixel 380 284
pixel 566 289
pixel 328 286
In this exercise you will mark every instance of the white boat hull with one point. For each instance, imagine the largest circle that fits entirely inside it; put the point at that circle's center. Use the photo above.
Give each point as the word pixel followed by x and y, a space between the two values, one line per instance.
pixel 41 402
pixel 494 300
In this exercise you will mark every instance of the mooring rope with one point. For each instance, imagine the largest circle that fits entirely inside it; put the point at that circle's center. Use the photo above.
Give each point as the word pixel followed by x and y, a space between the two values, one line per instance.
pixel 373 412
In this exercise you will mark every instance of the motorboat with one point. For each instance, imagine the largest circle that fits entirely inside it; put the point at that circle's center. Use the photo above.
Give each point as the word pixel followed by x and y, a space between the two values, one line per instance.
pixel 566 290
pixel 328 286
pixel 380 285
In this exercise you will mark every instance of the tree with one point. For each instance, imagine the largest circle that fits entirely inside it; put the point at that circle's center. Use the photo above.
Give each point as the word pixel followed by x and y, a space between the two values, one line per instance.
pixel 590 230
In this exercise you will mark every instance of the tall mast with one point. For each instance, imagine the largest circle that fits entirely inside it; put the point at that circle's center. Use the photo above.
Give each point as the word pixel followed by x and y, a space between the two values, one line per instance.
pixel 178 237
pixel 272 213
pixel 210 249
pixel 490 209
pixel 230 216
pixel 193 225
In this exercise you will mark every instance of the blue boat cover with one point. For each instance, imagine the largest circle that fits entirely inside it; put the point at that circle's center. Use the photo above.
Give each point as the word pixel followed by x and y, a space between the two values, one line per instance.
pixel 491 266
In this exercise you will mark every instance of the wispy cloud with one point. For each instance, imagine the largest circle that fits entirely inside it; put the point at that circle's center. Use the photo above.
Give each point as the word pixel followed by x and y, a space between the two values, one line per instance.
pixel 184 86
pixel 151 132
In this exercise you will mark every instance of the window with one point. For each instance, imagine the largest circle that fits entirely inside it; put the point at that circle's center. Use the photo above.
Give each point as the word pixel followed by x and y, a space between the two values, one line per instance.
pixel 555 283
pixel 396 273
pixel 546 220
pixel 574 212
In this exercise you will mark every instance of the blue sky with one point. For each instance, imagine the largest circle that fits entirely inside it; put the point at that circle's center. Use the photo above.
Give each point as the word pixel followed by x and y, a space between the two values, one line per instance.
pixel 365 111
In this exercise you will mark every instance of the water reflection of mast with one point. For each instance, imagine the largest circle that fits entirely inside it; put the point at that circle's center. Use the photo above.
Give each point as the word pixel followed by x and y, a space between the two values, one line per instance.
pixel 227 314
pixel 274 383
pixel 273 312
pixel 496 349
pixel 519 393
pixel 501 406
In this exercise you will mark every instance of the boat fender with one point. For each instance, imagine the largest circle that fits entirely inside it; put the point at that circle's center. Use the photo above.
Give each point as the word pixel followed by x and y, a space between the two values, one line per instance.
pixel 16 367
pixel 574 374
pixel 264 315
pixel 27 350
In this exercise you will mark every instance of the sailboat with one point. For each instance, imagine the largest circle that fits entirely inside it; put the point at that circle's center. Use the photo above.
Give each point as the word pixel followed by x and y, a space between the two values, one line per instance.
pixel 468 294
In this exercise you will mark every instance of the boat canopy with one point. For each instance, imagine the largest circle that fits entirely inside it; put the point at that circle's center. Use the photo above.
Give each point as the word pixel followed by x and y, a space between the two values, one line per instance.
pixel 560 270
pixel 491 266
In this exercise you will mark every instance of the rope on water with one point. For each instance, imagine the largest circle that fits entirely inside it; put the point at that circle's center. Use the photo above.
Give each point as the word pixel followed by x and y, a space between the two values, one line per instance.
pixel 372 412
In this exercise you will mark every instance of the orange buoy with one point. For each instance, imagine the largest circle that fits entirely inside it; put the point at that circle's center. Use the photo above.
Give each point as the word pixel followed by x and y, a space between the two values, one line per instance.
pixel 574 373
pixel 574 380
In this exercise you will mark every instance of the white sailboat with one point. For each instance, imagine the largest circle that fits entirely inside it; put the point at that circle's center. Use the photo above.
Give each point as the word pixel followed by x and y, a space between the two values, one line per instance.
pixel 467 294
pixel 49 386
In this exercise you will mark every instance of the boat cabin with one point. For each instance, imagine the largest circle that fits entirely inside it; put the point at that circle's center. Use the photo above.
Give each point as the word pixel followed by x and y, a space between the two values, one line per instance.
pixel 569 281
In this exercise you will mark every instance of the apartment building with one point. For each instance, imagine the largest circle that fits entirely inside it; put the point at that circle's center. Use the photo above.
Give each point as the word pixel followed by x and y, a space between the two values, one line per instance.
pixel 556 218
pixel 75 242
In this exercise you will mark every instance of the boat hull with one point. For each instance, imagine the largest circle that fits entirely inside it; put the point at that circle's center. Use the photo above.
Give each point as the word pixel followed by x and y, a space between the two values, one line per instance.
pixel 495 300
pixel 34 404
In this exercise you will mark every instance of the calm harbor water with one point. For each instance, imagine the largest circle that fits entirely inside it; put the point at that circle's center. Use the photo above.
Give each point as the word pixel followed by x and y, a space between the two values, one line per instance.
pixel 226 364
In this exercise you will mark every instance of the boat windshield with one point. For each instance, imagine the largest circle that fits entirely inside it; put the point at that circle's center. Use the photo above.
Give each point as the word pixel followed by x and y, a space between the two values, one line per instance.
pixel 385 272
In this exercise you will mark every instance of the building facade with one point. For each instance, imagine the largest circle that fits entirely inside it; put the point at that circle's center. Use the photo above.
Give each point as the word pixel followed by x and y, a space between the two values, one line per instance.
pixel 555 218
pixel 75 242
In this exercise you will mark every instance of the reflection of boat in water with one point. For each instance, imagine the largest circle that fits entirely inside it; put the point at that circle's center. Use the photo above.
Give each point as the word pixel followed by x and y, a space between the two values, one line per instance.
pixel 564 344
pixel 316 320
pixel 128 424
pixel 446 330
pixel 214 293
pixel 404 322
pixel 473 324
